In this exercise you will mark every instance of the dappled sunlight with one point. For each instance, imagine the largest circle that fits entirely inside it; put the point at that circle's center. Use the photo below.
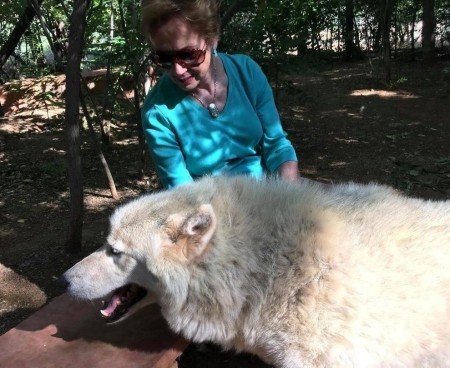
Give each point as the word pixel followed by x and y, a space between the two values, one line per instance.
pixel 32 124
pixel 346 140
pixel 337 164
pixel 37 98
pixel 383 94
pixel 98 199
pixel 298 112
pixel 357 114
pixel 56 204
pixel 18 290
pixel 55 150
pixel 309 171
pixel 126 141
pixel 343 74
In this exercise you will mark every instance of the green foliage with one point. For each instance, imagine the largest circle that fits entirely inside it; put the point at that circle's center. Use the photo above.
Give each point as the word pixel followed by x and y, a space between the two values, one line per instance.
pixel 272 31
pixel 114 45
pixel 276 28
pixel 396 83
pixel 9 15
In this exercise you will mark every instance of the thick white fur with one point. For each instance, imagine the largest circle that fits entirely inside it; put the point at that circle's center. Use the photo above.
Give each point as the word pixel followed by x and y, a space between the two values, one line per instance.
pixel 300 274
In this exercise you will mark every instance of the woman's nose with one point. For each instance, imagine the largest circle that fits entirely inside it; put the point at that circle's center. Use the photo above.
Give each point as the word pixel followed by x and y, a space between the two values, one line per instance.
pixel 177 68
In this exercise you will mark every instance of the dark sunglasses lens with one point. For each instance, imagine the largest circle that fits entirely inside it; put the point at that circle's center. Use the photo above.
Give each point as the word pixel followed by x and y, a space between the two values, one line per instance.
pixel 187 58
pixel 162 59
pixel 193 58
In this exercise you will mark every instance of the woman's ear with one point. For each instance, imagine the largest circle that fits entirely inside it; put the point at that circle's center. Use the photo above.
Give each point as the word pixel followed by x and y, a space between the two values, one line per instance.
pixel 213 42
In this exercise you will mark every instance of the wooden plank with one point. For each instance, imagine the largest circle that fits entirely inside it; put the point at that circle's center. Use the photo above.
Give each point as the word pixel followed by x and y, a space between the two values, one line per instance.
pixel 69 333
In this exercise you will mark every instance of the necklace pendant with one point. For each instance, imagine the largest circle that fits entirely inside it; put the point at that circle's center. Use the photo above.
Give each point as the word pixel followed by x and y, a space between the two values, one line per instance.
pixel 213 110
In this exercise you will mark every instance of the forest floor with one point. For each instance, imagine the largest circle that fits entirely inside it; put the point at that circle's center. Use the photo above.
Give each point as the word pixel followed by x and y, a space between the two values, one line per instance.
pixel 342 119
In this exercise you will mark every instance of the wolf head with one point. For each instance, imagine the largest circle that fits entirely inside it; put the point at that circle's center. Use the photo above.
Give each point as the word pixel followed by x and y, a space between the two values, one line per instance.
pixel 151 241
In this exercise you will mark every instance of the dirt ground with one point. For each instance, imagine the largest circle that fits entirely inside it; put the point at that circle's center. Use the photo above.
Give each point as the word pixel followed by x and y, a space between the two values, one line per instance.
pixel 343 121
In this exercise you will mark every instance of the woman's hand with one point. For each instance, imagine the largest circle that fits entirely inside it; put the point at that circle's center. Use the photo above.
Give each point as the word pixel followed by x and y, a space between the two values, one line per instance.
pixel 289 171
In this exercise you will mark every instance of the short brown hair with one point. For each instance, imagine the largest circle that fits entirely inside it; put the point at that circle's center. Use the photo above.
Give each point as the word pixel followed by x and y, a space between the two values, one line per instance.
pixel 202 15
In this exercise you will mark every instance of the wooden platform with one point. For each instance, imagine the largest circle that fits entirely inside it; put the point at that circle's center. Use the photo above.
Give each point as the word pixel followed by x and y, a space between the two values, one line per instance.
pixel 66 333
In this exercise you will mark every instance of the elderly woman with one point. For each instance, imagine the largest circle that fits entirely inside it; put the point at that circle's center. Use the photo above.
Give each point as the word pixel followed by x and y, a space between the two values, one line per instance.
pixel 210 113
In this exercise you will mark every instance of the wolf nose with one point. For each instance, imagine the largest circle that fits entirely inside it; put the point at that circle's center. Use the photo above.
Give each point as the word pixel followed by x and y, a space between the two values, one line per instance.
pixel 63 283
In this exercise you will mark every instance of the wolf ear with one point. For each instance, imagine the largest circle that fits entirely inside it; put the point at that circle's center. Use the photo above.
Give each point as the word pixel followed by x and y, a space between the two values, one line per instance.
pixel 198 230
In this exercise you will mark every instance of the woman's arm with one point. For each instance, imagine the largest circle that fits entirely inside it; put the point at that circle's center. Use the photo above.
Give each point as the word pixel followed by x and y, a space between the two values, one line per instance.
pixel 165 149
pixel 278 153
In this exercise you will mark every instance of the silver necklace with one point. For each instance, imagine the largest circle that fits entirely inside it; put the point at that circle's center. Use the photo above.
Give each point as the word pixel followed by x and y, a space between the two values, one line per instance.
pixel 212 107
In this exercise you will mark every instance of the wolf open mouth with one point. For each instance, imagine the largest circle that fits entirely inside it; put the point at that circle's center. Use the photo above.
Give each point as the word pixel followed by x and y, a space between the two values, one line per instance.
pixel 121 300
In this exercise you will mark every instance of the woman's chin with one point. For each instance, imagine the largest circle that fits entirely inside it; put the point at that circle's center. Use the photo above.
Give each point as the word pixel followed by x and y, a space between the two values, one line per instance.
pixel 187 84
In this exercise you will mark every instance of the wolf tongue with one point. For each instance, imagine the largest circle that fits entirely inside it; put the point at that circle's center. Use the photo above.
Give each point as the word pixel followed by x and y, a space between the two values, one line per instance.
pixel 120 301
pixel 115 301
pixel 112 305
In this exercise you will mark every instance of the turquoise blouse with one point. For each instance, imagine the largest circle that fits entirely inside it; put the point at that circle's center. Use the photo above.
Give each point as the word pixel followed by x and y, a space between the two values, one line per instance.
pixel 186 142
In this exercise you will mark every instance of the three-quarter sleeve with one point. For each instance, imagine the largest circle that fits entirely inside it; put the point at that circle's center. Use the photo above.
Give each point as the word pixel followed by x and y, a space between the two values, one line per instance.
pixel 276 147
pixel 165 149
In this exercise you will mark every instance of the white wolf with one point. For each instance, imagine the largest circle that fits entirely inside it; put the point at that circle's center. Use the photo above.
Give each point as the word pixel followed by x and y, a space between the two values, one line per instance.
pixel 301 275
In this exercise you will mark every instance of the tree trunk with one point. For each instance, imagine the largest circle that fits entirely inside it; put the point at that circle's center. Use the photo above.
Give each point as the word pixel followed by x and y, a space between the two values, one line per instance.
pixel 385 15
pixel 428 31
pixel 413 28
pixel 45 29
pixel 302 40
pixel 377 38
pixel 339 17
pixel 349 30
pixel 395 34
pixel 108 97
pixel 140 129
pixel 369 46
pixel 98 150
pixel 76 40
pixel 14 38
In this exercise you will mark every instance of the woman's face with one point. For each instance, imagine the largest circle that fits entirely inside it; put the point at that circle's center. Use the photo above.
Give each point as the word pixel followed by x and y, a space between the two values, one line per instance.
pixel 177 35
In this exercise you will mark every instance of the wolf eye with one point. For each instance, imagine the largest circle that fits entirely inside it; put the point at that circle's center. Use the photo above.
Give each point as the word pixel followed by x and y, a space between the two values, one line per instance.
pixel 115 251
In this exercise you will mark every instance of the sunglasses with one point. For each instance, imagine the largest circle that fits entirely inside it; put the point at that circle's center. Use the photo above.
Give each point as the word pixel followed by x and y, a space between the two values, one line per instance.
pixel 185 58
